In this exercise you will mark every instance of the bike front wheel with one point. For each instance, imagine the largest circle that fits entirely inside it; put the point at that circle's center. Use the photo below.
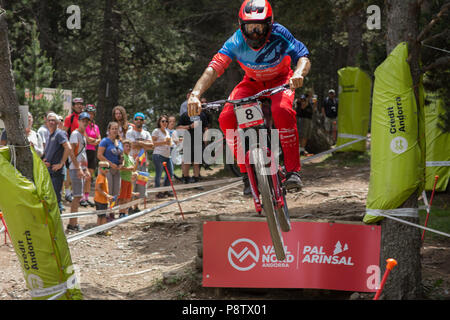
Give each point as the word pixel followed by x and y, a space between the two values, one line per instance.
pixel 266 191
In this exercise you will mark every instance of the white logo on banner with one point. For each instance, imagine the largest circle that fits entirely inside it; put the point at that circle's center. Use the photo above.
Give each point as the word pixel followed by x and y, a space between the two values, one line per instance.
pixel 239 260
pixel 317 254
pixel 338 248
pixel 399 145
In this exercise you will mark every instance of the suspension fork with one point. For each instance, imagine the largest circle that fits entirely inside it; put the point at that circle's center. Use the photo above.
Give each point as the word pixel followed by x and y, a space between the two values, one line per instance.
pixel 253 183
pixel 277 188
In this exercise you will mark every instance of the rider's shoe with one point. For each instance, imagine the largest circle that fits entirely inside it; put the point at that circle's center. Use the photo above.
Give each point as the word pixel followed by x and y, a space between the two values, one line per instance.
pixel 293 181
pixel 247 189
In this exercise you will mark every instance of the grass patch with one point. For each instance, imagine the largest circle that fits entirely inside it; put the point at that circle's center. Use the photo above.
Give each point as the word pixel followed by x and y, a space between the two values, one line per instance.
pixel 439 220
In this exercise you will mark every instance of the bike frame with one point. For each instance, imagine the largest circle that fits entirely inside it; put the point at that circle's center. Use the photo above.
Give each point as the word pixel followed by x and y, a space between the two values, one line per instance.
pixel 274 171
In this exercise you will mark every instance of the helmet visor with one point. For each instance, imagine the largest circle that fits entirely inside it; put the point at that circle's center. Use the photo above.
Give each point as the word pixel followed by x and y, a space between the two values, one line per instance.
pixel 255 31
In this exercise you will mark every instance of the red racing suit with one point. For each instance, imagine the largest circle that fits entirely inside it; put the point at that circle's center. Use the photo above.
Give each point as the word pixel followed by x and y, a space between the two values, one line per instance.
pixel 266 68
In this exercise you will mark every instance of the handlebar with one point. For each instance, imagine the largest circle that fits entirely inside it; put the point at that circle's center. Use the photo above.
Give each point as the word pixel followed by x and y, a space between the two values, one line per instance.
pixel 267 92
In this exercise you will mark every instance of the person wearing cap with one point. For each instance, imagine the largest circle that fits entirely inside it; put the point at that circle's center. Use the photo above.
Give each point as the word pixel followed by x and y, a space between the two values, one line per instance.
pixel 305 108
pixel 102 196
pixel 78 171
pixel 57 150
pixel 141 140
pixel 330 112
pixel 71 121
pixel 70 124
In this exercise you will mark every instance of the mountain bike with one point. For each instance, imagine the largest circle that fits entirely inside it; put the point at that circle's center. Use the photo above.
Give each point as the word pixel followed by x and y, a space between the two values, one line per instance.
pixel 265 175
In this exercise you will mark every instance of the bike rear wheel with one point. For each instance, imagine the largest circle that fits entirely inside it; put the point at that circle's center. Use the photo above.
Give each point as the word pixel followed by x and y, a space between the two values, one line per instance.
pixel 265 189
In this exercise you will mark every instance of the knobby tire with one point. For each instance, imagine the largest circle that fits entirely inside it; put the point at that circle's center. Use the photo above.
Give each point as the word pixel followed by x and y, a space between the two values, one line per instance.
pixel 265 190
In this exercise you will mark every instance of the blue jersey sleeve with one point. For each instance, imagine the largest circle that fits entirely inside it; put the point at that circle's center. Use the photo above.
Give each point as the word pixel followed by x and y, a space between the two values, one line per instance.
pixel 230 46
pixel 296 49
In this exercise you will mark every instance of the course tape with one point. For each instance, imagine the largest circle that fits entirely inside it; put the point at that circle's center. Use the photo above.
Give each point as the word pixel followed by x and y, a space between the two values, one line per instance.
pixel 414 224
pixel 350 136
pixel 399 212
pixel 438 163
pixel 114 223
pixel 139 201
pixel 333 150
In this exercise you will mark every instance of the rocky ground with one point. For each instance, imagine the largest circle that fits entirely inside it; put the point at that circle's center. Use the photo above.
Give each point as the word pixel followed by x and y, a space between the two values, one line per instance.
pixel 154 256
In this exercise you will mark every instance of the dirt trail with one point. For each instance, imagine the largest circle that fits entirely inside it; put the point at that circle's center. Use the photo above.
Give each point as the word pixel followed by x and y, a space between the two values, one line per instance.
pixel 154 256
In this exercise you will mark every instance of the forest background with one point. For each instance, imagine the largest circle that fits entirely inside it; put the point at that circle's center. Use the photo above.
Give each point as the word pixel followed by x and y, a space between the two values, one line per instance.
pixel 146 54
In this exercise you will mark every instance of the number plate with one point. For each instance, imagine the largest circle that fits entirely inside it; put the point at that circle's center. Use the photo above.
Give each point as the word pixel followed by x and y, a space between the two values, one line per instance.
pixel 249 115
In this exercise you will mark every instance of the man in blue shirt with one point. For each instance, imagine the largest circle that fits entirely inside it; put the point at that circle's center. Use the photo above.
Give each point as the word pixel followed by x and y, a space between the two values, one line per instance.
pixel 56 152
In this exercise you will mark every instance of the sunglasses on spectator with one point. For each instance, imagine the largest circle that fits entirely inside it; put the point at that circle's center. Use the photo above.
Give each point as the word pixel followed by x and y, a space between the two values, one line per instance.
pixel 139 119
pixel 105 168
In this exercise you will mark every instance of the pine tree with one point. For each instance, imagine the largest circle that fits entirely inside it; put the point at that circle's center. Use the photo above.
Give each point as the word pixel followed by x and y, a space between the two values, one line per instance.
pixel 33 72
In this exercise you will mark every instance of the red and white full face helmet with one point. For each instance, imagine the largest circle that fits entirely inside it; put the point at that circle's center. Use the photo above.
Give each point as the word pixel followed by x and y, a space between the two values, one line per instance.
pixel 255 21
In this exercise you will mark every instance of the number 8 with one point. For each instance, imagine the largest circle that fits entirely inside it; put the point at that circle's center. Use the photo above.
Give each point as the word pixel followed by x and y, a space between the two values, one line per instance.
pixel 249 114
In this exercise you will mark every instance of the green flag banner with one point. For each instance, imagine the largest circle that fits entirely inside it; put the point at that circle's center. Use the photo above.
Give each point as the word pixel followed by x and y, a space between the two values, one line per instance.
pixel 32 215
pixel 438 145
pixel 354 107
pixel 397 157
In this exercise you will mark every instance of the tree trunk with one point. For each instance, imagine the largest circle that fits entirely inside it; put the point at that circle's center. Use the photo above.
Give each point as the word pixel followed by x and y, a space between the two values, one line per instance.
pixel 400 241
pixel 9 107
pixel 354 25
pixel 108 95
pixel 320 141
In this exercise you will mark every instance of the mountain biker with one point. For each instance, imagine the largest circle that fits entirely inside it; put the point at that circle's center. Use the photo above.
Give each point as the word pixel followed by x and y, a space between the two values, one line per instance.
pixel 265 51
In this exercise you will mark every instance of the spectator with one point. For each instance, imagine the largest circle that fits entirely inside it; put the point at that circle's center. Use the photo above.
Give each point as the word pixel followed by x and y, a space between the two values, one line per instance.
pixel 175 139
pixel 34 138
pixel 330 112
pixel 183 107
pixel 71 121
pixel 102 196
pixel 304 108
pixel 205 143
pixel 61 123
pixel 78 170
pixel 43 130
pixel 56 152
pixel 3 138
pixel 110 150
pixel 185 123
pixel 162 142
pixel 120 116
pixel 141 142
pixel 126 174
pixel 70 124
pixel 93 138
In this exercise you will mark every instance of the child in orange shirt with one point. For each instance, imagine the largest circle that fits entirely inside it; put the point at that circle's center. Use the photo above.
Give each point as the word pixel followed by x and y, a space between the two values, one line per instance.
pixel 102 197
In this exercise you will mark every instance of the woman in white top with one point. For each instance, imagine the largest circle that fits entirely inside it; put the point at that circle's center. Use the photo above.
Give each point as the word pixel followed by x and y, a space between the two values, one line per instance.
pixel 161 153
pixel 34 138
